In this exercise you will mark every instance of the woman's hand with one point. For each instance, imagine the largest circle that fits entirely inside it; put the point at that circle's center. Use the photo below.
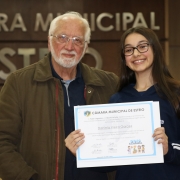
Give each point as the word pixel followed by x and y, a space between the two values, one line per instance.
pixel 159 134
pixel 74 140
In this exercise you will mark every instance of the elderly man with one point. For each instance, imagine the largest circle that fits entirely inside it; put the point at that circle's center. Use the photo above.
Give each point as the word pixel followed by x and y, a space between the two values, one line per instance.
pixel 36 106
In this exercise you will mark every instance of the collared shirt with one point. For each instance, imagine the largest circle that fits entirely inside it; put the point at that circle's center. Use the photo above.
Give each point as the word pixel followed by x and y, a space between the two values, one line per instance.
pixel 73 96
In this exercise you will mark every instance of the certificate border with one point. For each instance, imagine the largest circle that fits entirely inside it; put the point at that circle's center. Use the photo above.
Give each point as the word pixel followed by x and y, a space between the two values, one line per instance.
pixel 150 103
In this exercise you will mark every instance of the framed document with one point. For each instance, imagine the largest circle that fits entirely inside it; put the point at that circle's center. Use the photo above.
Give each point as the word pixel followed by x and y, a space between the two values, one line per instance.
pixel 118 134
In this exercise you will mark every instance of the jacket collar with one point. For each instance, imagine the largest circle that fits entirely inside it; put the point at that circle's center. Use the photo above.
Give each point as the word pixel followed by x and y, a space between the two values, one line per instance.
pixel 90 75
pixel 43 69
pixel 43 72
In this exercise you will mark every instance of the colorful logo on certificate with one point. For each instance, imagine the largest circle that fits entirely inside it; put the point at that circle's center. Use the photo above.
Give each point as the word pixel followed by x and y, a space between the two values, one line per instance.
pixel 87 113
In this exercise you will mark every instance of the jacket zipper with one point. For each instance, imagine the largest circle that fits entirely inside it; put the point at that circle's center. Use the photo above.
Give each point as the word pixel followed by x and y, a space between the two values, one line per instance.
pixel 57 135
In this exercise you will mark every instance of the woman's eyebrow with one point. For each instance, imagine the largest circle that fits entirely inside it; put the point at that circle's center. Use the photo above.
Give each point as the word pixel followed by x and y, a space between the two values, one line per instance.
pixel 137 43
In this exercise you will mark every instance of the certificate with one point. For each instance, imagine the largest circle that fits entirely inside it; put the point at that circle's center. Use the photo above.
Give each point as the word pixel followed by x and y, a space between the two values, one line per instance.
pixel 118 134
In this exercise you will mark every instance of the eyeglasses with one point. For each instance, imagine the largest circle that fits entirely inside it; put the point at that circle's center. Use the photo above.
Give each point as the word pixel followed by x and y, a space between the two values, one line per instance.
pixel 128 51
pixel 62 38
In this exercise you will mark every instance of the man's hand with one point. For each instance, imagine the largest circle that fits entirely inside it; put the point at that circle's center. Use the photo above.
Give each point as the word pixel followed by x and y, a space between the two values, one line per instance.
pixel 74 140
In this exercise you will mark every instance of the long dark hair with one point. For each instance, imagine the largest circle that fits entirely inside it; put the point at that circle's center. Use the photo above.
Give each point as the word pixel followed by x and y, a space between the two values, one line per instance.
pixel 166 86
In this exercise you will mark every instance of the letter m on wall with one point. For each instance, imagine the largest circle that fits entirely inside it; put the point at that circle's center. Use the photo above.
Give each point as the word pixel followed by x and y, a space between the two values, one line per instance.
pixel 41 23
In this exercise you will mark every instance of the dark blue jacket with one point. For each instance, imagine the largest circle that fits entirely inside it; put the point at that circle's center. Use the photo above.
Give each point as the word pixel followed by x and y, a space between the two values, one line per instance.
pixel 170 169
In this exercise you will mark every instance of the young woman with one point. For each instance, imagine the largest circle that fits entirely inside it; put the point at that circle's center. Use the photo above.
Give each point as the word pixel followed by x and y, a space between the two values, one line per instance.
pixel 144 77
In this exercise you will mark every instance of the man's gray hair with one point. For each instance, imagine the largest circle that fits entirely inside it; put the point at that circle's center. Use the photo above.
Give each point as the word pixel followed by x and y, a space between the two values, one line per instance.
pixel 53 24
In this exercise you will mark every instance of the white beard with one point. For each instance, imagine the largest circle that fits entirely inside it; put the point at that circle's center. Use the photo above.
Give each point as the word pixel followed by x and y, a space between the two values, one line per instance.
pixel 66 62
